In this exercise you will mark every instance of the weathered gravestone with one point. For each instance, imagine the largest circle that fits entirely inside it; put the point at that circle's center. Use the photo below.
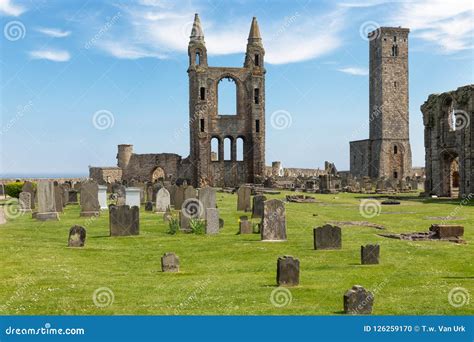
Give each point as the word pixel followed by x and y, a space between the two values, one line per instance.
pixel 184 221
pixel 288 271
pixel 90 199
pixel 124 220
pixel 170 262
pixel 243 198
pixel 189 192
pixel 273 226
pixel 257 206
pixel 178 197
pixel 327 237
pixel 24 200
pixel 77 236
pixel 149 206
pixel 172 190
pixel 58 197
pixel 369 254
pixel 46 204
pixel 358 301
pixel 72 196
pixel 163 200
pixel 446 231
pixel 207 196
pixel 29 187
pixel 245 226
pixel 212 221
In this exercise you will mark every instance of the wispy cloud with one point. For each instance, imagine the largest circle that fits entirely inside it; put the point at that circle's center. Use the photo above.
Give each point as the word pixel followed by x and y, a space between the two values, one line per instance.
pixel 51 55
pixel 53 32
pixel 354 71
pixel 7 7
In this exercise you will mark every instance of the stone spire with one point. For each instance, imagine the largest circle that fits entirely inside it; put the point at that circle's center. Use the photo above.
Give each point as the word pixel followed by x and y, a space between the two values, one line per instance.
pixel 197 35
pixel 254 35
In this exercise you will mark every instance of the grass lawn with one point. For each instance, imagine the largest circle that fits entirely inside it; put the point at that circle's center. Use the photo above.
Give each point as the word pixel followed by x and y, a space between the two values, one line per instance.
pixel 230 274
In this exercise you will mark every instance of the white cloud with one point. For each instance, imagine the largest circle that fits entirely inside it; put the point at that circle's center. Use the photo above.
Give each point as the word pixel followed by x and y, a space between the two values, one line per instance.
pixel 51 55
pixel 10 9
pixel 53 32
pixel 354 71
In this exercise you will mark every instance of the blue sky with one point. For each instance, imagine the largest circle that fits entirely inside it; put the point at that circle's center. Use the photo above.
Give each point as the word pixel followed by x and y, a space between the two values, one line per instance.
pixel 80 77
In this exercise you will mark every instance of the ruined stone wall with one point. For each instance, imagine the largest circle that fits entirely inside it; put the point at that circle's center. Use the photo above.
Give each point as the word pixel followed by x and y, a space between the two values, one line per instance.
pixel 360 158
pixel 104 175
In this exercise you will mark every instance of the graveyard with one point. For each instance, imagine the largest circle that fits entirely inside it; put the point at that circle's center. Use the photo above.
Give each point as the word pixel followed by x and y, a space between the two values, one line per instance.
pixel 227 273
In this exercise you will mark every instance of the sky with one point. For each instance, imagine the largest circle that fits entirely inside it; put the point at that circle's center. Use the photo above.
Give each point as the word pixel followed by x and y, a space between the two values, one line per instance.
pixel 80 77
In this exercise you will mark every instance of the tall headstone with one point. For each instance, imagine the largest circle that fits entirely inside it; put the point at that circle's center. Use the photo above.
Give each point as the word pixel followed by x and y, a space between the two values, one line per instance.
pixel 77 236
pixel 162 200
pixel 212 221
pixel 358 301
pixel 170 262
pixel 124 220
pixel 327 237
pixel 29 187
pixel 369 254
pixel 207 196
pixel 243 198
pixel 24 200
pixel 257 206
pixel 132 196
pixel 172 190
pixel 90 199
pixel 288 271
pixel 102 196
pixel 273 225
pixel 58 197
pixel 46 203
pixel 178 197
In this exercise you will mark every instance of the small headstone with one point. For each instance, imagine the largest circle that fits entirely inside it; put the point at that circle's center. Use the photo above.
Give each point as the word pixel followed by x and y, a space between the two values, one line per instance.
pixel 288 271
pixel 245 226
pixel 207 196
pixel 46 204
pixel 369 254
pixel 170 262
pixel 273 226
pixel 102 196
pixel 212 221
pixel 184 222
pixel 162 200
pixel 446 231
pixel 124 220
pixel 133 197
pixel 327 237
pixel 29 187
pixel 257 206
pixel 358 301
pixel 243 198
pixel 24 200
pixel 149 206
pixel 77 236
pixel 90 199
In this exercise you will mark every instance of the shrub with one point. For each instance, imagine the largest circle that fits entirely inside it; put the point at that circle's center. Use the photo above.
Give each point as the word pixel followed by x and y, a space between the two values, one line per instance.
pixel 173 226
pixel 13 189
pixel 198 226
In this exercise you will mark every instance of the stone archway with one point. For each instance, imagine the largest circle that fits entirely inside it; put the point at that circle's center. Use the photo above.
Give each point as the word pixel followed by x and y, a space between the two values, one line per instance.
pixel 450 174
pixel 158 174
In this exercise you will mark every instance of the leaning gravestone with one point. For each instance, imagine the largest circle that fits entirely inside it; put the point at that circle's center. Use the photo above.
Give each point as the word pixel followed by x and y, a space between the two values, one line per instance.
pixel 170 262
pixel 358 301
pixel 207 196
pixel 369 254
pixel 257 206
pixel 212 221
pixel 46 204
pixel 327 237
pixel 90 199
pixel 162 200
pixel 273 226
pixel 243 198
pixel 288 271
pixel 124 220
pixel 245 226
pixel 24 201
pixel 77 236
pixel 29 187
pixel 58 197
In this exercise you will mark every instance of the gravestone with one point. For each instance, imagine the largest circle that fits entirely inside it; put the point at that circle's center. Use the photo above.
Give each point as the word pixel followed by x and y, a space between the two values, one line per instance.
pixel 446 231
pixel 172 190
pixel 184 222
pixel 245 226
pixel 149 206
pixel 65 193
pixel 24 201
pixel 170 262
pixel 178 197
pixel 3 220
pixel 102 196
pixel 257 206
pixel 90 199
pixel 162 200
pixel 58 197
pixel 72 196
pixel 29 187
pixel 46 203
pixel 189 192
pixel 243 198
pixel 77 236
pixel 132 197
pixel 327 237
pixel 369 254
pixel 207 196
pixel 358 301
pixel 124 220
pixel 288 271
pixel 273 225
pixel 212 221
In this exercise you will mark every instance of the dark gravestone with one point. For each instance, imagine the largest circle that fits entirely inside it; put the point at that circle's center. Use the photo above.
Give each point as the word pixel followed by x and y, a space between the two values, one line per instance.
pixel 243 198
pixel 273 226
pixel 149 206
pixel 77 236
pixel 29 187
pixel 446 231
pixel 170 262
pixel 221 223
pixel 72 196
pixel 245 226
pixel 58 197
pixel 178 197
pixel 327 237
pixel 358 301
pixel 90 199
pixel 257 206
pixel 288 271
pixel 124 220
pixel 369 254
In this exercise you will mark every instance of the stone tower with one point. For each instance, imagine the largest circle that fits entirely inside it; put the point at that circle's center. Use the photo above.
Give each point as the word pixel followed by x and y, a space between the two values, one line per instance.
pixel 387 152
pixel 208 126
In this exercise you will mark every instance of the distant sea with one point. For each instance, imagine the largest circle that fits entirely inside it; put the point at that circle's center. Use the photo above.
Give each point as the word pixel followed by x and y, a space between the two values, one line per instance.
pixel 43 175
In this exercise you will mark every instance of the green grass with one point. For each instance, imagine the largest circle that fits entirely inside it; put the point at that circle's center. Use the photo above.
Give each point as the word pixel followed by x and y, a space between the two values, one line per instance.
pixel 235 274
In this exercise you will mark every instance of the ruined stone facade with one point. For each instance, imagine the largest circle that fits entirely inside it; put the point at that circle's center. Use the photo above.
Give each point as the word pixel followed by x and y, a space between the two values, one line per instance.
pixel 387 152
pixel 449 142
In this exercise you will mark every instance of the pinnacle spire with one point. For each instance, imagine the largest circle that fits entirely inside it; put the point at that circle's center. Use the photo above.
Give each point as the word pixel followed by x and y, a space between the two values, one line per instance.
pixel 196 33
pixel 254 34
